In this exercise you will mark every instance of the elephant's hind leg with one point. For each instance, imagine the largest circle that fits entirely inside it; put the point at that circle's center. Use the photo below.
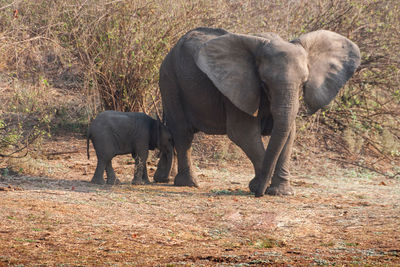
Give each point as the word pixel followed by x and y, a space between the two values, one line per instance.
pixel 181 131
pixel 185 175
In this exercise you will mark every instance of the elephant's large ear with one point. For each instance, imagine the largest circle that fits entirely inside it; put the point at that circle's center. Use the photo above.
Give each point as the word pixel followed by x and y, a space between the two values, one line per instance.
pixel 332 60
pixel 230 64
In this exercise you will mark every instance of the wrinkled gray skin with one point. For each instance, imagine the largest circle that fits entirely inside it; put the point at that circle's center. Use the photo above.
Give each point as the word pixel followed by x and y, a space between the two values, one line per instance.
pixel 246 86
pixel 117 133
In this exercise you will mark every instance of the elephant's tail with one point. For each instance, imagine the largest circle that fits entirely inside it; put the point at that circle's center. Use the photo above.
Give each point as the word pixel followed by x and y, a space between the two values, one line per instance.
pixel 87 144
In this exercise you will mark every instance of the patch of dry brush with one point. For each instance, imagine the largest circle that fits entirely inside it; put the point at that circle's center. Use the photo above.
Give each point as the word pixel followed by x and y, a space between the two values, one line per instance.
pixel 109 52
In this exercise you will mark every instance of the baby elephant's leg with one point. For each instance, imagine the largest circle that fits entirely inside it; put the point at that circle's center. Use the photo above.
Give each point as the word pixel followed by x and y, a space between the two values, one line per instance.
pixel 111 178
pixel 140 168
pixel 145 177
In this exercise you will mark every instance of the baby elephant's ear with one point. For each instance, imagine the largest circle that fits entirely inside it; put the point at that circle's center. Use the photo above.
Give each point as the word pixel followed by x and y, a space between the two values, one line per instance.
pixel 332 60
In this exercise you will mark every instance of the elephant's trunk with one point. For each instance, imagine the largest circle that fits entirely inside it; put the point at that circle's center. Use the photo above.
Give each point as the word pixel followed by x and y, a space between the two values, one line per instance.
pixel 284 109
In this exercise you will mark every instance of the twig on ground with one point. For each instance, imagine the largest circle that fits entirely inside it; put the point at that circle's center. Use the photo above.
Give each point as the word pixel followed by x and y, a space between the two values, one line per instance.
pixel 62 152
pixel 12 153
pixel 366 167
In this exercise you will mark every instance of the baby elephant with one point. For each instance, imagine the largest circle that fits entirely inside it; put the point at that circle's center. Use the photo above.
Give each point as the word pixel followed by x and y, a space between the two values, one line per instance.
pixel 117 133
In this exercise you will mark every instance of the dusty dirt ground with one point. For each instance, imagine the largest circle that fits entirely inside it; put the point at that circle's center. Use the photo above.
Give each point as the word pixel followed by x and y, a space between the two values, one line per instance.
pixel 339 216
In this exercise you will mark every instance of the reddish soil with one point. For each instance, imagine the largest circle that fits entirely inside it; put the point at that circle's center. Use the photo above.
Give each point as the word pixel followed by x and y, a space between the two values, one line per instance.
pixel 338 216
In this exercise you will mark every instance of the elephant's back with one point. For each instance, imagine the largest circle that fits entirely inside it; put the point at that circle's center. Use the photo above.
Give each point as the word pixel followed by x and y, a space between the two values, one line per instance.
pixel 180 59
pixel 194 39
pixel 123 122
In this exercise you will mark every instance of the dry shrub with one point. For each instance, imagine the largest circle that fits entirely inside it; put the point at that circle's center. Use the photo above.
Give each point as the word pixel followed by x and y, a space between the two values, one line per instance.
pixel 390 143
pixel 29 165
pixel 353 141
pixel 26 122
pixel 122 45
pixel 367 111
pixel 112 50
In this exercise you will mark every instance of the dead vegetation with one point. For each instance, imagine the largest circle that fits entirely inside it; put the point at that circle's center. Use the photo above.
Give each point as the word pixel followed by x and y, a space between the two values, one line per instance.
pixel 64 61
pixel 108 54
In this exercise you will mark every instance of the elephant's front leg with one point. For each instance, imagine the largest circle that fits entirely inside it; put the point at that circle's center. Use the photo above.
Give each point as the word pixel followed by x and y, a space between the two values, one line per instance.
pixel 245 132
pixel 185 176
pixel 254 150
pixel 280 184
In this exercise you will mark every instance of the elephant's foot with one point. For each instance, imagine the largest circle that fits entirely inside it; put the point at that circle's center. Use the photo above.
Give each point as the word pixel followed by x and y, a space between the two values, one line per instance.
pixel 113 181
pixel 138 182
pixel 185 179
pixel 99 181
pixel 280 189
pixel 160 177
pixel 255 186
pixel 146 181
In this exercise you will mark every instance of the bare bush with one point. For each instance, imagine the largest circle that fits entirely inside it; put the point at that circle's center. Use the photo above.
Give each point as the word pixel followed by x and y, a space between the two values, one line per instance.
pixel 111 51
pixel 369 105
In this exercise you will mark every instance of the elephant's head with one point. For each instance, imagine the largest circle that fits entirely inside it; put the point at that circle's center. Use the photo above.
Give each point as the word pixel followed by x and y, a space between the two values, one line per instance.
pixel 319 62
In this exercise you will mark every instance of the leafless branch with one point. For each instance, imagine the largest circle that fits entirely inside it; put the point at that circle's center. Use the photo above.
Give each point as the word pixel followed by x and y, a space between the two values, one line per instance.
pixel 366 167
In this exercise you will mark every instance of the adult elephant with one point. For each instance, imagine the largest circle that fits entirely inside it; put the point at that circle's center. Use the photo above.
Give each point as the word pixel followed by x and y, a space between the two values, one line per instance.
pixel 246 86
